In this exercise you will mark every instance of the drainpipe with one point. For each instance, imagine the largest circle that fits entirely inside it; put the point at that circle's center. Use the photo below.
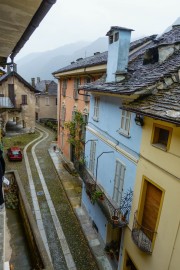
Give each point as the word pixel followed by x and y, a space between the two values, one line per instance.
pixel 108 152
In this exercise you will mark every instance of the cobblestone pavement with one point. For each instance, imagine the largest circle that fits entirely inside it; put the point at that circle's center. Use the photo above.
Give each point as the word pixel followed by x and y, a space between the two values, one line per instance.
pixel 76 242
pixel 66 201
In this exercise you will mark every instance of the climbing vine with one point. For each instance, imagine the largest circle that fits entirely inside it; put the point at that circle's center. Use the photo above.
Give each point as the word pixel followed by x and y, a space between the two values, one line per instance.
pixel 76 138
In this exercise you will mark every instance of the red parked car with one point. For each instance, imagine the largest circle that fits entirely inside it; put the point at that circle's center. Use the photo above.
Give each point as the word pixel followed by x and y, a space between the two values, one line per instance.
pixel 14 153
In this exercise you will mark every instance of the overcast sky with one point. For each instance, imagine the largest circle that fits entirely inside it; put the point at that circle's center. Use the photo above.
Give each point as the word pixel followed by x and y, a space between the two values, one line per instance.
pixel 69 21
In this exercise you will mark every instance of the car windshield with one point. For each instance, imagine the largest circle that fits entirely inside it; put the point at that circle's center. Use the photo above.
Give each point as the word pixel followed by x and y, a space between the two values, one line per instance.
pixel 16 152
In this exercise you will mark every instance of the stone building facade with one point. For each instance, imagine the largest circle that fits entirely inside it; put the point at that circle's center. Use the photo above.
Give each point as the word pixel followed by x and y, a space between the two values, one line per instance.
pixel 17 101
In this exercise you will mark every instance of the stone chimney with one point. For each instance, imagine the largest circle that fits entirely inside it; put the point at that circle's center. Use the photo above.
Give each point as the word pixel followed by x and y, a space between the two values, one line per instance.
pixel 38 79
pixel 8 69
pixel 46 89
pixel 14 67
pixel 33 82
pixel 118 53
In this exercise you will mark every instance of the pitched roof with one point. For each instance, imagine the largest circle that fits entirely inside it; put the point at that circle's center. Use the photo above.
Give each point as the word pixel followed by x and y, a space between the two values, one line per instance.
pixel 52 87
pixel 170 37
pixel 15 74
pixel 101 58
pixel 163 104
pixel 140 76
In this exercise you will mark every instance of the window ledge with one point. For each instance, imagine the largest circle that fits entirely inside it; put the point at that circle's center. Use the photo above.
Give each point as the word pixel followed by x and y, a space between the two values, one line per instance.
pixel 160 146
pixel 124 134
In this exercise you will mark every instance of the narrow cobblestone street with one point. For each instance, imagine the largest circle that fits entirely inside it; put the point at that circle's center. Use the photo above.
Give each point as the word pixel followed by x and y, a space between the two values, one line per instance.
pixel 76 241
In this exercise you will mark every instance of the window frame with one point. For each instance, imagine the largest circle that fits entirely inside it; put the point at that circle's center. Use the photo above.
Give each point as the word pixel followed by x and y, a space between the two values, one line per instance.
pixel 96 108
pixel 154 135
pixel 127 120
pixel 141 202
pixel 24 99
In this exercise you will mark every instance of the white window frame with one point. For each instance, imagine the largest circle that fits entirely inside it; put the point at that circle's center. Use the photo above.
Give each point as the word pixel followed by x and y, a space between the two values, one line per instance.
pixel 47 101
pixel 125 123
pixel 118 182
pixel 96 109
pixel 92 157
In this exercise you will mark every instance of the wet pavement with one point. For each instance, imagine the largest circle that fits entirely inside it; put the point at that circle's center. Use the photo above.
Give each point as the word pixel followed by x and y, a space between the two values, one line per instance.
pixel 72 186
pixel 58 181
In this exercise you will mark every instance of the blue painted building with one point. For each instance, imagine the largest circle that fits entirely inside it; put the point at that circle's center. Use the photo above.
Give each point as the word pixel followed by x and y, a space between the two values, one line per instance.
pixel 113 140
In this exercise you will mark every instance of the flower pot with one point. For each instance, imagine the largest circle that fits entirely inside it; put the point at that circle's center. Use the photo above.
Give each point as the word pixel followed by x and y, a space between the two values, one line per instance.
pixel 115 219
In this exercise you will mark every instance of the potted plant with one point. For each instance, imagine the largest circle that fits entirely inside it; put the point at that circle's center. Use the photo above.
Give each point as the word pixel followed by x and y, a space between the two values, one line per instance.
pixel 97 195
pixel 115 217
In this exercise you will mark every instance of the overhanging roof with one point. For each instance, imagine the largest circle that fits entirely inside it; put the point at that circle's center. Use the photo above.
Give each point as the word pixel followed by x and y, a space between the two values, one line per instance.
pixel 18 20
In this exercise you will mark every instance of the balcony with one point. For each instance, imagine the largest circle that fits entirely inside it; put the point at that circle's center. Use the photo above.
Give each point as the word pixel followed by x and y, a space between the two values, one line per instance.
pixel 142 237
pixel 118 217
pixel 17 108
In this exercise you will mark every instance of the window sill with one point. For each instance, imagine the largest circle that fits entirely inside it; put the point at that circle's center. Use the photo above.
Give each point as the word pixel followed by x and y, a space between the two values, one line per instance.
pixel 160 146
pixel 124 134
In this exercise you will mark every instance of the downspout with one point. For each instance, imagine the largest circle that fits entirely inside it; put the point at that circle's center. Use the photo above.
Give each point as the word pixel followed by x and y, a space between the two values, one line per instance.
pixel 173 246
pixel 87 95
pixel 59 115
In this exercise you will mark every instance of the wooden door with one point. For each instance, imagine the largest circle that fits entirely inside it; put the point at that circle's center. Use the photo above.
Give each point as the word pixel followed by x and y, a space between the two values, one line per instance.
pixel 151 208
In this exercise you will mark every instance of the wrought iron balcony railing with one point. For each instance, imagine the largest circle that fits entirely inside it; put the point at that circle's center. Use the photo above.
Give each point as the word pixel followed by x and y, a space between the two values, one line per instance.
pixel 142 237
pixel 118 217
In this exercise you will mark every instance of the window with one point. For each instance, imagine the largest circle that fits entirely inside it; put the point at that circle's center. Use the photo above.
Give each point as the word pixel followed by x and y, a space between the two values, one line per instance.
pixel 128 263
pixel 111 39
pixel 11 93
pixel 63 115
pixel 92 157
pixel 64 87
pixel 96 108
pixel 116 37
pixel 150 208
pixel 24 99
pixel 85 119
pixel 125 122
pixel 74 112
pixel 147 217
pixel 161 136
pixel 118 182
pixel 76 84
pixel 46 101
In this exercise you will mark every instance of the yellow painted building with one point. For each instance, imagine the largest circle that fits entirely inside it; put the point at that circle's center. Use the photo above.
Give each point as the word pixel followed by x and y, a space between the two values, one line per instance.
pixel 156 202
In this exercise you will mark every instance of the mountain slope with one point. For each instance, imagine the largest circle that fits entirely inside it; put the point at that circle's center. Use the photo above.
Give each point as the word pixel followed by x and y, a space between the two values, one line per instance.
pixel 43 64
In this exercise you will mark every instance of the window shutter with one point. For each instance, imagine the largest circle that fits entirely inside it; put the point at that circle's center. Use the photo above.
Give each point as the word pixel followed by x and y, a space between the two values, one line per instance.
pixel 11 93
pixel 118 182
pixel 76 84
pixel 63 115
pixel 125 122
pixel 64 87
pixel 92 157
pixel 96 108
